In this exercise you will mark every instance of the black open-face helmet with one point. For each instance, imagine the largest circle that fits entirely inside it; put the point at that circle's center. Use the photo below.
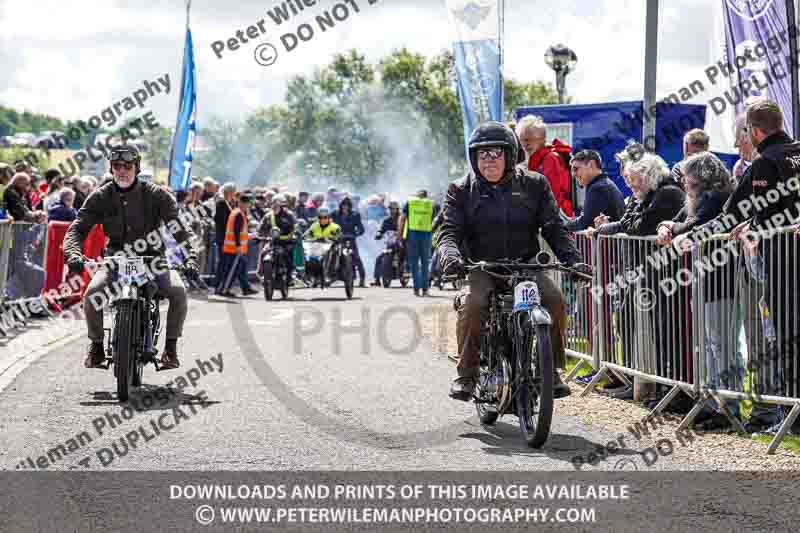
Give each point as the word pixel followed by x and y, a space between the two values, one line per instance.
pixel 493 135
pixel 127 153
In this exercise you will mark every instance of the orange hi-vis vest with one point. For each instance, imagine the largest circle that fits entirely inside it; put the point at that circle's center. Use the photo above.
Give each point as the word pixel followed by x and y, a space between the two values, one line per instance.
pixel 229 247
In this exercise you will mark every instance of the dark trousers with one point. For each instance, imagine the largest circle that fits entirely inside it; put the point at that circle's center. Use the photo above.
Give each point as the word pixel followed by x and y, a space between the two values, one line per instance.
pixel 474 310
pixel 220 271
pixel 418 248
pixel 358 265
pixel 234 267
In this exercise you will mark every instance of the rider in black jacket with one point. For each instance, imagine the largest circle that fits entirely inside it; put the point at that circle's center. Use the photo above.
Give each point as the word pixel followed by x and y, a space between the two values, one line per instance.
pixel 350 222
pixel 496 212
pixel 282 218
pixel 388 224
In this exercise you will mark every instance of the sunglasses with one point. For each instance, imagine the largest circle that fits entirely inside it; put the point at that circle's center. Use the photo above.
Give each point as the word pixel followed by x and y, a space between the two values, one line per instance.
pixel 123 155
pixel 120 165
pixel 490 154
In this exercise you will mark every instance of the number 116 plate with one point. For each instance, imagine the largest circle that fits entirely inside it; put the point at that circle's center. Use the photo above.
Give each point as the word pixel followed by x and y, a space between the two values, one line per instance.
pixel 525 295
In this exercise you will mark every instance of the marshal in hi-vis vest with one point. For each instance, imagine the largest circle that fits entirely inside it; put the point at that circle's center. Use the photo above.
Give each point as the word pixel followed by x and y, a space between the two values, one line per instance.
pixel 229 247
pixel 420 214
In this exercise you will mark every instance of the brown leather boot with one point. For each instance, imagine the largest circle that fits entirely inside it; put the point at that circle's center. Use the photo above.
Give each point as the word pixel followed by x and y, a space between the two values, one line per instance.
pixel 95 356
pixel 169 359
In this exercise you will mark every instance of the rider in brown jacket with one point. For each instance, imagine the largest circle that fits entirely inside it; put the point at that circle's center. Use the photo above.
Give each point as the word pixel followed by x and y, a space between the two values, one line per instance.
pixel 131 212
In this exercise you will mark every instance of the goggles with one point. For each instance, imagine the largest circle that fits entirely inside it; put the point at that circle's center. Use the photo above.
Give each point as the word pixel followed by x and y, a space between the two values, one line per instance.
pixel 123 155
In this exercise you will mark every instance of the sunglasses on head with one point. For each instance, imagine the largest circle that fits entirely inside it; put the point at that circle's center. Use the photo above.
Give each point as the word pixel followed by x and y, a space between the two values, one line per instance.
pixel 490 153
pixel 123 155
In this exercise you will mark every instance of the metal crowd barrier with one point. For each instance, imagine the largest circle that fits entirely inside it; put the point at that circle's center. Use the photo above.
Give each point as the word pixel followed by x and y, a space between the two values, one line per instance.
pixel 584 320
pixel 701 322
pixel 756 297
pixel 5 253
pixel 25 275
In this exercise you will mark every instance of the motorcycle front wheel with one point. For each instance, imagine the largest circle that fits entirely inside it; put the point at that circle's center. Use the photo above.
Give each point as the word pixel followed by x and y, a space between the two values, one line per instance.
pixel 269 287
pixel 534 384
pixel 346 269
pixel 124 356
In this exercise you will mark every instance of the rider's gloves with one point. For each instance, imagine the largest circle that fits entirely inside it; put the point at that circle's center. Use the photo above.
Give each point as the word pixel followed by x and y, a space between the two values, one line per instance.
pixel 191 270
pixel 75 265
pixel 454 266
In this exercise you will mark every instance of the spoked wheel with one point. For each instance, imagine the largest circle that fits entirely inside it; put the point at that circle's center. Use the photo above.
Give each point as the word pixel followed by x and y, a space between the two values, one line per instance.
pixel 347 276
pixel 269 286
pixel 386 271
pixel 493 384
pixel 534 385
pixel 285 287
pixel 124 355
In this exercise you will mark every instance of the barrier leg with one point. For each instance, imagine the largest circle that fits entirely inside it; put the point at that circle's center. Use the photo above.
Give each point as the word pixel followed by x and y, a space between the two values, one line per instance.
pixel 595 380
pixel 622 377
pixel 665 401
pixel 696 408
pixel 723 407
pixel 784 428
pixel 574 371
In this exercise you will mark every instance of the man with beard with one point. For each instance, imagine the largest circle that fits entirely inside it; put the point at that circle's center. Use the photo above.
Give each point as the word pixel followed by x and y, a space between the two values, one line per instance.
pixel 130 210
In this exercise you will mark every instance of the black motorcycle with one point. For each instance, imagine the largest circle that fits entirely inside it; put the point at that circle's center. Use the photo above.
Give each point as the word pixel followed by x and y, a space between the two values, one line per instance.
pixel 516 372
pixel 276 266
pixel 328 261
pixel 136 320
pixel 391 265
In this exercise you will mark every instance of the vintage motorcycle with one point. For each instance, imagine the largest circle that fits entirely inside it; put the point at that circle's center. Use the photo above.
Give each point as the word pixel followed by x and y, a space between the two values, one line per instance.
pixel 516 372
pixel 276 265
pixel 136 323
pixel 391 265
pixel 330 261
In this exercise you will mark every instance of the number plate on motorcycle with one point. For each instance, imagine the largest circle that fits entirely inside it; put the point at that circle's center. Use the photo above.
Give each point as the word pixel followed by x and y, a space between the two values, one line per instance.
pixel 525 295
pixel 131 270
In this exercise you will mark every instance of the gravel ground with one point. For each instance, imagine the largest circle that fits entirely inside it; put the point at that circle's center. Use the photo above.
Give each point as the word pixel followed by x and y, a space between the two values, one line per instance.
pixel 708 451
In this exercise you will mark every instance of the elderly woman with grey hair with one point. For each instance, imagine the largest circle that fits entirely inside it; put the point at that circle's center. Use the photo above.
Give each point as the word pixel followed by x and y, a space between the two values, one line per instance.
pixel 659 196
pixel 708 186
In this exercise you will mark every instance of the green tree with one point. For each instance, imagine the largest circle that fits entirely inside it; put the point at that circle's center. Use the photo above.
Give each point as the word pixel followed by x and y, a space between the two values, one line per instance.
pixel 158 141
pixel 518 94
pixel 359 124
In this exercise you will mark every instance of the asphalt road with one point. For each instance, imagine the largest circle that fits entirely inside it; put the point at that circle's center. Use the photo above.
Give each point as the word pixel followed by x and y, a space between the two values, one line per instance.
pixel 314 383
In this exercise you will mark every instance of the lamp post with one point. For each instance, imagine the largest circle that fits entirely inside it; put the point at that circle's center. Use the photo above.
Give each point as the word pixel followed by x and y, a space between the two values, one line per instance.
pixel 562 60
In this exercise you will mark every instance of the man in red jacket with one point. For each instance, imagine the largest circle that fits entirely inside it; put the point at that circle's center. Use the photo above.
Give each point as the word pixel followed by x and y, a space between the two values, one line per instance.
pixel 544 159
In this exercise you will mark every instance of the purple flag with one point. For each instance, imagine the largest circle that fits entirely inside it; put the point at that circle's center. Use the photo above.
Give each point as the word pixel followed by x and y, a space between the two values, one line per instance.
pixel 761 49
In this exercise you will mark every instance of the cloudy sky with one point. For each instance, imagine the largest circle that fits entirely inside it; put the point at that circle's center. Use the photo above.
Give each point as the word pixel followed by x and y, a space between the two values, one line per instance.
pixel 72 59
